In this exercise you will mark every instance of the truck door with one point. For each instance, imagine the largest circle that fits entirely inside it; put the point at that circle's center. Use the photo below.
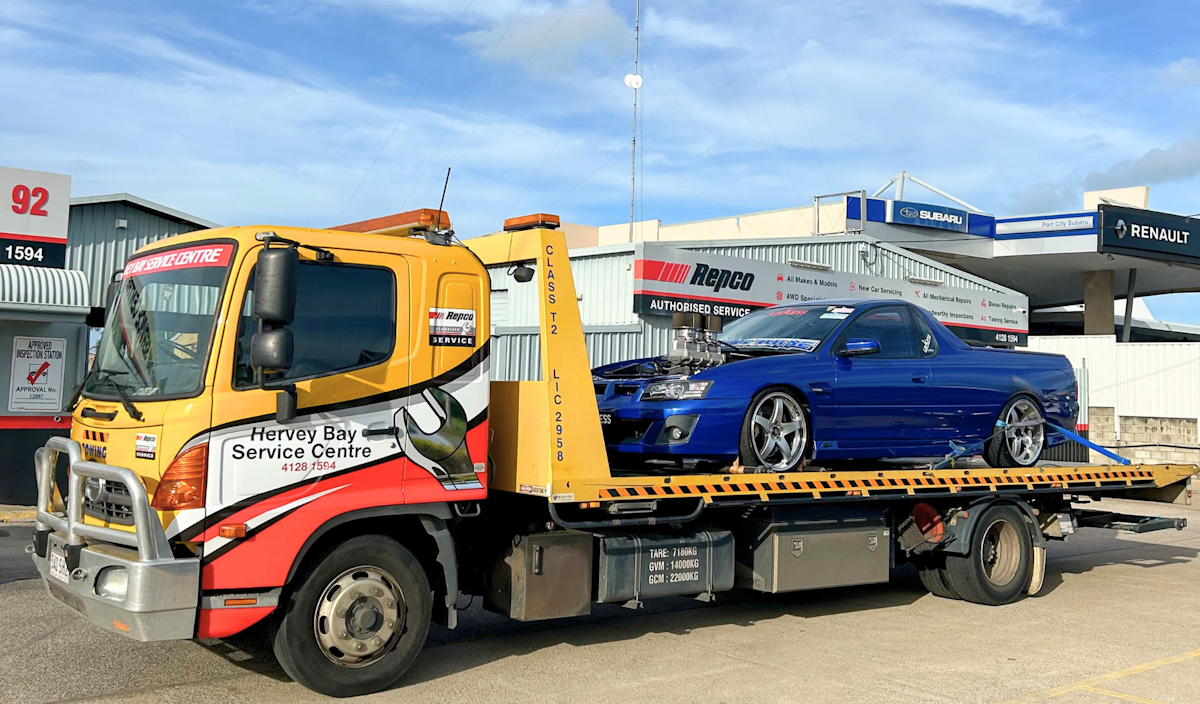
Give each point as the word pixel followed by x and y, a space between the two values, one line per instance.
pixel 882 399
pixel 351 370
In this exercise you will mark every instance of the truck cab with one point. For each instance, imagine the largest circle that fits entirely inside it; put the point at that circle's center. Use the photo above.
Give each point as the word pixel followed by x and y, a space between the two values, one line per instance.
pixel 254 388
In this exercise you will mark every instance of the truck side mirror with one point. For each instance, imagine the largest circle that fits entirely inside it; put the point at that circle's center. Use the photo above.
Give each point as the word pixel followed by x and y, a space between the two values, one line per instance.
pixel 859 347
pixel 114 288
pixel 275 280
pixel 271 349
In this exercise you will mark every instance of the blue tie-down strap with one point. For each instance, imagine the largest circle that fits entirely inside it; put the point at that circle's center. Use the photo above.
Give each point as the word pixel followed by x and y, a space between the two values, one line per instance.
pixel 1091 445
pixel 957 450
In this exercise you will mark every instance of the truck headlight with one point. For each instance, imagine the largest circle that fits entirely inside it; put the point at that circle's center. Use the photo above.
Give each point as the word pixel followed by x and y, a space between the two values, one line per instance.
pixel 680 390
pixel 113 583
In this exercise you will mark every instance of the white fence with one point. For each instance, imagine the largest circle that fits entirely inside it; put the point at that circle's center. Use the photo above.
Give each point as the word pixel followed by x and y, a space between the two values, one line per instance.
pixel 1153 379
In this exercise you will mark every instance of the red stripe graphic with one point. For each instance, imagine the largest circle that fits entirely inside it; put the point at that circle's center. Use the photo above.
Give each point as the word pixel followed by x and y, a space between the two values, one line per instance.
pixel 34 422
pixel 33 238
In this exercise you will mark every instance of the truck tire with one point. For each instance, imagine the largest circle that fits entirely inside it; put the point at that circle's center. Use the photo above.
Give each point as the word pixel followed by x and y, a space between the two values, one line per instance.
pixel 997 568
pixel 775 432
pixel 1024 447
pixel 932 573
pixel 357 619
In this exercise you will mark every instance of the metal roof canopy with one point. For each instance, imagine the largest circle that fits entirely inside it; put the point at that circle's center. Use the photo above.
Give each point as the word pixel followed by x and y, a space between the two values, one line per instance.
pixel 43 294
pixel 145 205
pixel 1056 278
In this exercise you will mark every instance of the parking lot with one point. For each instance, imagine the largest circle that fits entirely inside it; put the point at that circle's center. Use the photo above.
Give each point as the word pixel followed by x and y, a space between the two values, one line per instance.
pixel 1118 620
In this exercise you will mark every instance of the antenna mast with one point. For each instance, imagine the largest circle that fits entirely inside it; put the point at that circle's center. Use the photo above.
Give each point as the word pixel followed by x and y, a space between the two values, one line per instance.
pixel 634 81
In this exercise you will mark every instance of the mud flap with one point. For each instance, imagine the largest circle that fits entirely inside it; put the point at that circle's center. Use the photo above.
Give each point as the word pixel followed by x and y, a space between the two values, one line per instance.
pixel 1037 574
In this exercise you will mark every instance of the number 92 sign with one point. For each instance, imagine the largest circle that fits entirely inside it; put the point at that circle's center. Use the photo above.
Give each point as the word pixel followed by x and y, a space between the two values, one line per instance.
pixel 33 218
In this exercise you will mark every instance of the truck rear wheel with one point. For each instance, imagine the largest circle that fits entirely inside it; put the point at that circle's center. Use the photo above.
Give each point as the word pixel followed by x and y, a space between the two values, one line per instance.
pixel 357 620
pixel 997 568
pixel 934 578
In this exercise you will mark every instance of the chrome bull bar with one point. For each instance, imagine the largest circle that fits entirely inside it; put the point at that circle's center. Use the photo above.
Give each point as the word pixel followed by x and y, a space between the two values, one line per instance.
pixel 149 538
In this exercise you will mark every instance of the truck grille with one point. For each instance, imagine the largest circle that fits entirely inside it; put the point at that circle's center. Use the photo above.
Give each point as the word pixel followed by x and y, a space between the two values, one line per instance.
pixel 112 502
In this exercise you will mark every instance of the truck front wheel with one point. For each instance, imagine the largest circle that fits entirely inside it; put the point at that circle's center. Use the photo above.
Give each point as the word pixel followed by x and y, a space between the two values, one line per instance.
pixel 356 620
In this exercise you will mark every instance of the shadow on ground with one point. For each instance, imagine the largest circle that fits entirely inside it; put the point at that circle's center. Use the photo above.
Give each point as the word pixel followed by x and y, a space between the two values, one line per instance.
pixel 679 616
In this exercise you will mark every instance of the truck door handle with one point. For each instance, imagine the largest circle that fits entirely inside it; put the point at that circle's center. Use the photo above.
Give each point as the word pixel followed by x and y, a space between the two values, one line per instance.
pixel 89 412
pixel 918 378
pixel 372 432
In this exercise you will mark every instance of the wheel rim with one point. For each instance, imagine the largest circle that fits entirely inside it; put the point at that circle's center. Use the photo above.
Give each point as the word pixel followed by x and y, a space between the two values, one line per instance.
pixel 779 432
pixel 1000 553
pixel 1024 444
pixel 359 616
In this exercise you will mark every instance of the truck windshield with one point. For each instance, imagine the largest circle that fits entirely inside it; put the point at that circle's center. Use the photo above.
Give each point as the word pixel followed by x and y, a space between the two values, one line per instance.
pixel 156 339
pixel 786 327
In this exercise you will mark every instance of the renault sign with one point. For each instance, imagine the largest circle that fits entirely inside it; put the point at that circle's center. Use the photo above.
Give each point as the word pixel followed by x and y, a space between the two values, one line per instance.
pixel 1148 234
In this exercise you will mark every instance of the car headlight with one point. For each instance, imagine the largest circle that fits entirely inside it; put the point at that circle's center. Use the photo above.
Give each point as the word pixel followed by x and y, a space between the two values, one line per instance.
pixel 676 390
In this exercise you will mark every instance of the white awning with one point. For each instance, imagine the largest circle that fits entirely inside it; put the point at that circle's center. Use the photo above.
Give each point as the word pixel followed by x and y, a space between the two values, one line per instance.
pixel 42 292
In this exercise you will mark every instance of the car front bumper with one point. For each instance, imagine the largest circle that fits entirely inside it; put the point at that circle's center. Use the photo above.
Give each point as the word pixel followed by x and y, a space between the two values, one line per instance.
pixel 642 428
pixel 160 598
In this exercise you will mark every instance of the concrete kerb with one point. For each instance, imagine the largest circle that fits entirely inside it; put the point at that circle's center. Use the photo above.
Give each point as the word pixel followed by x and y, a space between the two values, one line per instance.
pixel 17 514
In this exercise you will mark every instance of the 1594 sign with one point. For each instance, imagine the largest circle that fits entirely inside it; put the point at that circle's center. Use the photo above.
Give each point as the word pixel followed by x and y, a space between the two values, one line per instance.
pixel 34 213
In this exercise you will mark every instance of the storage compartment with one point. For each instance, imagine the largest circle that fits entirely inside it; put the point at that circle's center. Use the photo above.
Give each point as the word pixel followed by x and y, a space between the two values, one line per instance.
pixel 639 566
pixel 546 575
pixel 791 555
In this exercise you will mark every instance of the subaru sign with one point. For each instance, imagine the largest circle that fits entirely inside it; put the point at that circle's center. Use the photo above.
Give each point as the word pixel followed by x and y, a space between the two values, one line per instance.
pixel 924 215
pixel 1145 233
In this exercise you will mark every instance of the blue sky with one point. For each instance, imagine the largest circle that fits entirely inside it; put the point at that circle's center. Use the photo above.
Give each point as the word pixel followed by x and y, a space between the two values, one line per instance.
pixel 314 112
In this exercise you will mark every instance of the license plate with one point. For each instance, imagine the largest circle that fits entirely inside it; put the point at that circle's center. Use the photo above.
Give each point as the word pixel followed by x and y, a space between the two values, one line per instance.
pixel 58 566
pixel 605 419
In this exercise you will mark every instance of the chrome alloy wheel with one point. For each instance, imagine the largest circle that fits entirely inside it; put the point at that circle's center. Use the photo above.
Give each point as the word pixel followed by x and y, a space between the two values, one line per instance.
pixel 779 432
pixel 1024 443
pixel 359 617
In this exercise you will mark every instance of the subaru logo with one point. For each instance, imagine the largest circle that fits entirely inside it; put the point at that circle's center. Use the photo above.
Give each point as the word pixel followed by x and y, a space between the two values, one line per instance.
pixel 1120 229
pixel 909 212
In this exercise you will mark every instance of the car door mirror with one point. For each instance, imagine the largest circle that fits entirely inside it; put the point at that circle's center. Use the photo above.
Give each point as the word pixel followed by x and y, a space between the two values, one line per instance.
pixel 858 347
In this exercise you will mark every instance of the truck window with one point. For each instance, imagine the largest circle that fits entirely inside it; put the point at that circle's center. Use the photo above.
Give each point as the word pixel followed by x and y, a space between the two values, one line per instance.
pixel 345 319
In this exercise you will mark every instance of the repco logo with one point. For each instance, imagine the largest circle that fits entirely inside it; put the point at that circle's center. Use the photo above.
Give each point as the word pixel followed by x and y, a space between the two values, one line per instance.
pixel 722 278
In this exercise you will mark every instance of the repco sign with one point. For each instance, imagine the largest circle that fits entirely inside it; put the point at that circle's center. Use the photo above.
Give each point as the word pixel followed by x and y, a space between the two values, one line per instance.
pixel 718 279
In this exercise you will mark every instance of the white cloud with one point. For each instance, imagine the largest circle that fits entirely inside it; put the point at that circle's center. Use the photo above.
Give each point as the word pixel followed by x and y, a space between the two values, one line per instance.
pixel 552 39
pixel 1026 11
pixel 1185 71
pixel 1175 163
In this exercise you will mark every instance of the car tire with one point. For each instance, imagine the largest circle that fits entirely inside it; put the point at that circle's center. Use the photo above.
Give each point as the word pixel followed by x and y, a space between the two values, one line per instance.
pixel 769 431
pixel 997 568
pixel 1022 448
pixel 932 573
pixel 393 606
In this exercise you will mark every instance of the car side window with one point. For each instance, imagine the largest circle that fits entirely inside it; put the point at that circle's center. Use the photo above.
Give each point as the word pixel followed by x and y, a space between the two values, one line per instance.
pixel 927 345
pixel 345 319
pixel 891 326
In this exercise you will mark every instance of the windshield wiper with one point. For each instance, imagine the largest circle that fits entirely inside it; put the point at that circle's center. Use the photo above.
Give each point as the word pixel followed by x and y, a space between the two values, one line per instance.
pixel 131 409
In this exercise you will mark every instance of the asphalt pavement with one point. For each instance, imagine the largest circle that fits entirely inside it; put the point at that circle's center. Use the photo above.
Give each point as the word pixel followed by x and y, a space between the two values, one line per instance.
pixel 1118 620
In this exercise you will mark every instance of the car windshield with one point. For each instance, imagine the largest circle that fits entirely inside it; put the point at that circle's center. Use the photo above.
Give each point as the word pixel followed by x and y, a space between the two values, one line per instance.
pixel 156 339
pixel 785 327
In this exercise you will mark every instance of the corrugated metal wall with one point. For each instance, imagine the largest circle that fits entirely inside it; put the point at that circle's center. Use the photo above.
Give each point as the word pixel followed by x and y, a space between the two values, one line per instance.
pixel 1153 379
pixel 604 286
pixel 96 247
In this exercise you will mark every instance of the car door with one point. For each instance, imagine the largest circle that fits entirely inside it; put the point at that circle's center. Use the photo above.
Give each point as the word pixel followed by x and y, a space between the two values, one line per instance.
pixel 882 399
